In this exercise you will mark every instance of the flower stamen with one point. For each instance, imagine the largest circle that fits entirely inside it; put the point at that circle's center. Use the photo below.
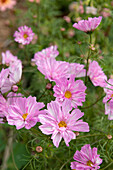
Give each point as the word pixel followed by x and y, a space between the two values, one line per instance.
pixel 62 124
pixel 89 163
pixel 68 94
pixel 25 35
pixel 24 116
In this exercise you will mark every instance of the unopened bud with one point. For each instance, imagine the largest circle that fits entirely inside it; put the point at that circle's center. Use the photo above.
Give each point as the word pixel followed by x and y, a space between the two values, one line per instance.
pixel 48 86
pixel 79 42
pixel 109 136
pixel 15 88
pixel 62 29
pixel 92 47
pixel 77 133
pixel 39 149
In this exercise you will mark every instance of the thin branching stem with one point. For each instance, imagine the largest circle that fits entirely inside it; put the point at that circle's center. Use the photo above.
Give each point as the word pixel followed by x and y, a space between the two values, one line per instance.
pixel 87 62
pixel 93 103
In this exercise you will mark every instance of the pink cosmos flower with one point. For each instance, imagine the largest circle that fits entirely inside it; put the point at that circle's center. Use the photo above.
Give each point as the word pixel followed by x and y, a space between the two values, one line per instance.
pixel 70 90
pixel 24 35
pixel 105 12
pixel 67 19
pixel 96 74
pixel 24 112
pixel 12 97
pixel 91 10
pixel 8 58
pixel 109 109
pixel 4 104
pixel 52 69
pixel 46 53
pixel 3 78
pixel 86 159
pixel 76 69
pixel 14 73
pixel 108 90
pixel 60 123
pixel 3 108
pixel 6 4
pixel 88 25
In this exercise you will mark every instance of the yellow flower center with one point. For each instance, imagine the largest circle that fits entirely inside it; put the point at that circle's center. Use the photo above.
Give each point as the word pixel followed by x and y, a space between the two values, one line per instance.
pixel 112 95
pixel 62 124
pixel 25 116
pixel 25 36
pixel 68 94
pixel 89 163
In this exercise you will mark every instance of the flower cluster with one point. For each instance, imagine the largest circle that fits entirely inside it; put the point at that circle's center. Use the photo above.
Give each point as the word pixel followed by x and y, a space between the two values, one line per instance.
pixel 62 118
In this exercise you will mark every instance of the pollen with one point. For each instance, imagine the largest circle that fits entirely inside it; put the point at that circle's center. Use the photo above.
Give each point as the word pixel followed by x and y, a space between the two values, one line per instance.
pixel 68 94
pixel 89 163
pixel 112 95
pixel 25 36
pixel 25 116
pixel 62 124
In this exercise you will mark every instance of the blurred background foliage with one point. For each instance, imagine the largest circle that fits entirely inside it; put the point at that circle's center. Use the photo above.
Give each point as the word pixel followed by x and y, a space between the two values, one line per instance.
pixel 47 20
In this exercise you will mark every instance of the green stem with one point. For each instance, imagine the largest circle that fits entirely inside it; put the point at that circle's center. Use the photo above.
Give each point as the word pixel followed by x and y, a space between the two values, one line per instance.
pixel 93 103
pixel 87 62
pixel 107 166
pixel 90 136
pixel 41 95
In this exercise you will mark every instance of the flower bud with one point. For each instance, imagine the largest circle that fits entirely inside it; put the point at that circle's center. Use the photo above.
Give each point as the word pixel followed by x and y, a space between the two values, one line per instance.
pixel 39 149
pixel 15 88
pixel 109 136
pixel 48 86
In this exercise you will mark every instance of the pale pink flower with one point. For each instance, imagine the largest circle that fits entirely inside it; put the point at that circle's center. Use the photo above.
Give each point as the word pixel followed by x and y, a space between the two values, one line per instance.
pixel 3 108
pixel 52 69
pixel 70 90
pixel 4 104
pixel 3 78
pixel 24 35
pixel 96 74
pixel 8 58
pixel 91 10
pixel 13 76
pixel 15 72
pixel 73 6
pixel 109 109
pixel 86 159
pixel 105 12
pixel 71 33
pixel 81 7
pixel 24 112
pixel 6 4
pixel 60 123
pixel 76 69
pixel 67 19
pixel 46 53
pixel 62 29
pixel 12 97
pixel 108 89
pixel 37 1
pixel 88 25
pixel 34 39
